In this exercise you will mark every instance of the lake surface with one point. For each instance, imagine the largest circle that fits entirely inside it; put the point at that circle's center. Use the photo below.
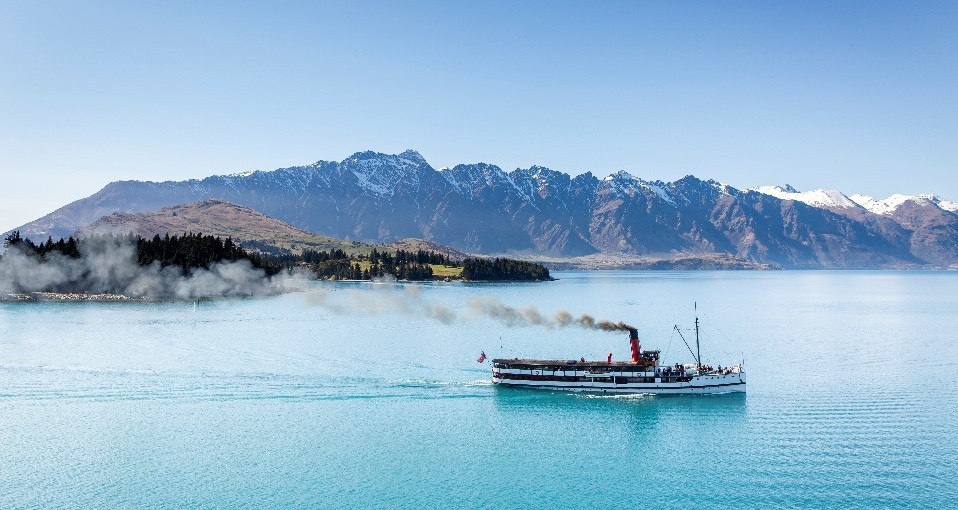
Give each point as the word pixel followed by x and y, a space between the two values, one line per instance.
pixel 346 397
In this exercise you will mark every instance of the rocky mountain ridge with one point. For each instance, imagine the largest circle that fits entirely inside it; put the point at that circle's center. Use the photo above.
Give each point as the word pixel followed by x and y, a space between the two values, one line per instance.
pixel 480 208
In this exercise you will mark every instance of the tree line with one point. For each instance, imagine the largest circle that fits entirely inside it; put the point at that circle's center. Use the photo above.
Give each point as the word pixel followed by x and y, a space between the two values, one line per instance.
pixel 502 269
pixel 188 252
pixel 401 264
pixel 192 251
pixel 406 257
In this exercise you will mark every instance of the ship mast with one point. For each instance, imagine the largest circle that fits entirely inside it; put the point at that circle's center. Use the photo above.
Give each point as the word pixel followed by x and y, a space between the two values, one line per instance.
pixel 698 350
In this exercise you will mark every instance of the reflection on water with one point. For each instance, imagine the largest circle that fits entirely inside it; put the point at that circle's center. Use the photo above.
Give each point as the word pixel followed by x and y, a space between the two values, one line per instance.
pixel 638 413
pixel 521 399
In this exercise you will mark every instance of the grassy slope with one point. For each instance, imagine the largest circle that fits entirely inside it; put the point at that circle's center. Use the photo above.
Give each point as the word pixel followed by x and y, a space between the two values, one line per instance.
pixel 223 219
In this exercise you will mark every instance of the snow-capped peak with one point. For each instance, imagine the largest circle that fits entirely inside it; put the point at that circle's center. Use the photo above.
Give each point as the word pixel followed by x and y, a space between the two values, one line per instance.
pixel 537 172
pixel 886 206
pixel 414 157
pixel 816 198
pixel 624 182
pixel 468 177
pixel 948 205
pixel 937 201
pixel 892 203
pixel 723 188
pixel 381 173
pixel 621 181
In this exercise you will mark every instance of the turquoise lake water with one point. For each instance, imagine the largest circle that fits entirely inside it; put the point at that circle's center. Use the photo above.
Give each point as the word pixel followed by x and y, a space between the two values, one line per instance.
pixel 296 401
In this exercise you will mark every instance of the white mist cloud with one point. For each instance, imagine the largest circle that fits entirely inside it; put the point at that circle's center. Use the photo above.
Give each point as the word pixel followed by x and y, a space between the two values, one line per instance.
pixel 109 266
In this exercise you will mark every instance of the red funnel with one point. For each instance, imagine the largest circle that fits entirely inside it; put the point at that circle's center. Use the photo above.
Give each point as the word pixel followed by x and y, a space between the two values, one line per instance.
pixel 636 346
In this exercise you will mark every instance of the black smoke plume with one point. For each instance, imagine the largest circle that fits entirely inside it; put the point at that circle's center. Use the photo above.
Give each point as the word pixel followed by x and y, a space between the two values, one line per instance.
pixel 384 297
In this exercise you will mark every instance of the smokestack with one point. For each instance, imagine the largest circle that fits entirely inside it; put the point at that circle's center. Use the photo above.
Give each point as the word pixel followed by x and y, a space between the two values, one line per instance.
pixel 636 346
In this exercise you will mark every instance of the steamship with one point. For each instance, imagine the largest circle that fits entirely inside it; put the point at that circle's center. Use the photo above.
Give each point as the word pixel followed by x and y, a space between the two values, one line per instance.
pixel 643 374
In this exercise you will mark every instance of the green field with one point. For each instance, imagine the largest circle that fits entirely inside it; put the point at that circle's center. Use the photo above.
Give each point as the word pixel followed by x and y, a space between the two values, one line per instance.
pixel 438 270
pixel 441 271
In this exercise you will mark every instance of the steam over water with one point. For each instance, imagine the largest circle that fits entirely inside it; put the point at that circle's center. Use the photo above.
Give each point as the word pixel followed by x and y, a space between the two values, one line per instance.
pixel 369 396
pixel 109 265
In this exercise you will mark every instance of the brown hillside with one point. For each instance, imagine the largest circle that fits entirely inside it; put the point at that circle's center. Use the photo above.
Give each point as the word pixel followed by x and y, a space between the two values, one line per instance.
pixel 219 218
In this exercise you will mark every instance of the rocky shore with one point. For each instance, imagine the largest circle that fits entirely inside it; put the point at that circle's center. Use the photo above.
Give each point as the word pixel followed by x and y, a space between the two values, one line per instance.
pixel 675 262
pixel 64 296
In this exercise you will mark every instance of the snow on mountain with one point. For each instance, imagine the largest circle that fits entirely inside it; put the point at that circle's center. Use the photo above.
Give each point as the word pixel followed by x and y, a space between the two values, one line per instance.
pixel 816 198
pixel 538 181
pixel 892 203
pixel 723 188
pixel 381 173
pixel 657 188
pixel 467 178
pixel 623 182
pixel 886 206
pixel 948 205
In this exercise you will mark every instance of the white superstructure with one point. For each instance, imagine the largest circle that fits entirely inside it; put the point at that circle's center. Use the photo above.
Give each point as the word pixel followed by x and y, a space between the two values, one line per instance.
pixel 616 377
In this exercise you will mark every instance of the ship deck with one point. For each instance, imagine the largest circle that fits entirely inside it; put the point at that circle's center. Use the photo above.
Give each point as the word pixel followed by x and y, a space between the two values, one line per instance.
pixel 566 364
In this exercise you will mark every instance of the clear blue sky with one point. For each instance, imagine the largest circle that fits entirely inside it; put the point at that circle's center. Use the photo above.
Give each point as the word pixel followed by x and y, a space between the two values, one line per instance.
pixel 858 96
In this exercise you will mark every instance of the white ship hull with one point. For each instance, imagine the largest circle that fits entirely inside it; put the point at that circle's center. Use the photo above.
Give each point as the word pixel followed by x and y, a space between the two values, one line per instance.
pixel 721 384
pixel 583 382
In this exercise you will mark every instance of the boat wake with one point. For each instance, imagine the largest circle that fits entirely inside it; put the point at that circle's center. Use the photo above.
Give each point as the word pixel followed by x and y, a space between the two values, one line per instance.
pixel 630 396
pixel 479 382
pixel 39 383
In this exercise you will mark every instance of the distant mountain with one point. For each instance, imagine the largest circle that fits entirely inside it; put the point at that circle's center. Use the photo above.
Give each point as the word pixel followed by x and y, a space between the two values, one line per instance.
pixel 479 208
pixel 891 204
pixel 819 198
pixel 926 224
pixel 932 223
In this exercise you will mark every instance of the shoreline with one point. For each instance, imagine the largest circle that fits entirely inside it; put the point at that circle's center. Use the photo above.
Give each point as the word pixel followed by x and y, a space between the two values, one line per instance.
pixel 65 296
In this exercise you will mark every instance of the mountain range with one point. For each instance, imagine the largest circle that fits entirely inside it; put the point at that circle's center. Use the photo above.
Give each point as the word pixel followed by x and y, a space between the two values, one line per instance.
pixel 479 208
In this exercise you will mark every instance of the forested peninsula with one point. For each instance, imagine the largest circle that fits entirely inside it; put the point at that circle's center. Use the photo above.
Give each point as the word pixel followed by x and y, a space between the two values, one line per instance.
pixel 194 264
